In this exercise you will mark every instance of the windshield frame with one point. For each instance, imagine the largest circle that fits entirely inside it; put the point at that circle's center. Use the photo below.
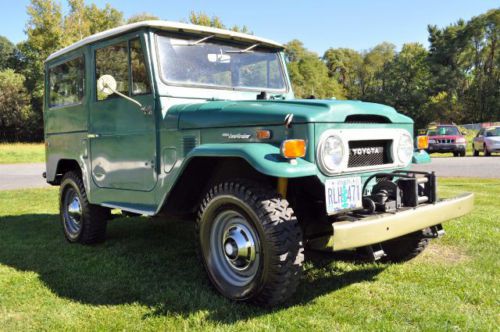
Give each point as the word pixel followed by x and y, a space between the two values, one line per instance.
pixel 242 45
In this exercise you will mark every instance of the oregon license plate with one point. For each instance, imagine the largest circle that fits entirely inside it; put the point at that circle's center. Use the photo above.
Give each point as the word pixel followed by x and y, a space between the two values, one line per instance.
pixel 343 194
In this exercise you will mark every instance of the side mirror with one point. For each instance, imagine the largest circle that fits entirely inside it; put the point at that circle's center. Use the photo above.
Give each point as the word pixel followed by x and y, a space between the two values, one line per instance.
pixel 107 84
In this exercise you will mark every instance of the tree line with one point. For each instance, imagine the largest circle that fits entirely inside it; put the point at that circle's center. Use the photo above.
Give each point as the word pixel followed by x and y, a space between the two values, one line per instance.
pixel 456 79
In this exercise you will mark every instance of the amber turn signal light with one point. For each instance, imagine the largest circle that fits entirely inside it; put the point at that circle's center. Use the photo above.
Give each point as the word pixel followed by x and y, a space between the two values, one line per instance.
pixel 263 134
pixel 293 148
pixel 422 142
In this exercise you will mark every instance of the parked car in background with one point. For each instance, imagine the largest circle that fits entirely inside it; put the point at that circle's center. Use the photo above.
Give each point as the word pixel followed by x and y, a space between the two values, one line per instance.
pixel 487 141
pixel 446 138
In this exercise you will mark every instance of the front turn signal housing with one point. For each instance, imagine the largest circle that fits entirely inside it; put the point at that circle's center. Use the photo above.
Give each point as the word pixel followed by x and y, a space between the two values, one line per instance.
pixel 293 148
pixel 422 142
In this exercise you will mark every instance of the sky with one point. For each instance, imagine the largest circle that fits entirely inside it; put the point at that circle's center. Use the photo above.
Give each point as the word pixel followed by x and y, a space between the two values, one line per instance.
pixel 319 24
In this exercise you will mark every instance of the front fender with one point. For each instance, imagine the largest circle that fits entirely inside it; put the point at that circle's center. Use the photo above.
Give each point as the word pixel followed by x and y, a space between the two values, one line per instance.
pixel 265 158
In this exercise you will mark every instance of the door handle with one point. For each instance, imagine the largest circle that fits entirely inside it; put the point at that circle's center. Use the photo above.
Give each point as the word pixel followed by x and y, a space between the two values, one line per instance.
pixel 93 135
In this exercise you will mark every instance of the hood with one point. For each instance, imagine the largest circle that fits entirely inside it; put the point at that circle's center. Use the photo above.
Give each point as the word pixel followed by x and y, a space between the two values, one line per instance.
pixel 212 114
pixel 493 139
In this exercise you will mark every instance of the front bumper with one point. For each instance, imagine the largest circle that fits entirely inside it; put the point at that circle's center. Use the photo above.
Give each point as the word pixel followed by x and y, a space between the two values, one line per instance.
pixel 378 228
pixel 442 147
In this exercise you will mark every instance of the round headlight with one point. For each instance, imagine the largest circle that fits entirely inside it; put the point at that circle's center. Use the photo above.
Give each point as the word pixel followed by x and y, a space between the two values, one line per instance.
pixel 331 153
pixel 405 149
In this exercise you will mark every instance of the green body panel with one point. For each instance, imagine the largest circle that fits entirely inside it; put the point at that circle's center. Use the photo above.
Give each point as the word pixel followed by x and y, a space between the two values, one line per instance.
pixel 421 157
pixel 132 160
pixel 273 112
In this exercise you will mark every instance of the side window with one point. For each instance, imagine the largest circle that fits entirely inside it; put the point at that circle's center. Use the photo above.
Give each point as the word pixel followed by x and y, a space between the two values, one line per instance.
pixel 140 81
pixel 113 60
pixel 67 83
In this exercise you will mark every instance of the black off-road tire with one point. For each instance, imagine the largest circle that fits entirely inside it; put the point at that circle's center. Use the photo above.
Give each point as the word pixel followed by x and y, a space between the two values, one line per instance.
pixel 406 247
pixel 455 154
pixel 462 153
pixel 279 266
pixel 486 152
pixel 94 218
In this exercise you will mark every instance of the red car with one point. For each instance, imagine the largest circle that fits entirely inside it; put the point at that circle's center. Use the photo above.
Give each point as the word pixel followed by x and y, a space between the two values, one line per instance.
pixel 446 138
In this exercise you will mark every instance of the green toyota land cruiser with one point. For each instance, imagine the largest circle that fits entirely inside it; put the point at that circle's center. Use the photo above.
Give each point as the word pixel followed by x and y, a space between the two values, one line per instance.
pixel 162 118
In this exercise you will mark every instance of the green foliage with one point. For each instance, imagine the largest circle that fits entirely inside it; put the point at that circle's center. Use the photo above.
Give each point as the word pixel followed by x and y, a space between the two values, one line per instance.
pixel 15 111
pixel 309 75
pixel 142 17
pixel 201 18
pixel 7 50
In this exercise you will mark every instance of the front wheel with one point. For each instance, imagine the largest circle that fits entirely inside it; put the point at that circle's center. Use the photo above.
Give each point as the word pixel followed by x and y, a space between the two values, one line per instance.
pixel 406 247
pixel 250 243
pixel 486 152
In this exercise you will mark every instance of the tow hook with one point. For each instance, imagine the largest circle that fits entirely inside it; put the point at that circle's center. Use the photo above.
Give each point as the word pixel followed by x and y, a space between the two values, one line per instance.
pixel 375 252
pixel 434 232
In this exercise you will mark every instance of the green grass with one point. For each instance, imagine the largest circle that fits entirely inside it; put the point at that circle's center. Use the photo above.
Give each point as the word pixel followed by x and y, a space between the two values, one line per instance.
pixel 14 153
pixel 146 277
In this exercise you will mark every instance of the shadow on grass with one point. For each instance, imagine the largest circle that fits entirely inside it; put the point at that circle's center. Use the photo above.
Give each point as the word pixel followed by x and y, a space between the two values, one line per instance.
pixel 151 262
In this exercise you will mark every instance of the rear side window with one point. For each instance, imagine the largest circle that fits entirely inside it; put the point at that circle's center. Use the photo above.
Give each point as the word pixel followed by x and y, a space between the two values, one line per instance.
pixel 124 61
pixel 67 83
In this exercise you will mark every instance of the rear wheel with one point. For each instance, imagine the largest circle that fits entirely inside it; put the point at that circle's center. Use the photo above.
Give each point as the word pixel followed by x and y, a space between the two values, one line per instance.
pixel 462 153
pixel 406 247
pixel 81 221
pixel 250 243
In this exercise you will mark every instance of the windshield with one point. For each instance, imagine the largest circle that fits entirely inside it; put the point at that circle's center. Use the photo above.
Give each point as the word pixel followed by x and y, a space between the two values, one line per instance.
pixel 215 64
pixel 448 131
pixel 493 132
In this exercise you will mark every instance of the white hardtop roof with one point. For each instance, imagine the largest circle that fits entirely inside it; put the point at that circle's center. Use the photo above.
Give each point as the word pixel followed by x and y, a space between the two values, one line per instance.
pixel 167 26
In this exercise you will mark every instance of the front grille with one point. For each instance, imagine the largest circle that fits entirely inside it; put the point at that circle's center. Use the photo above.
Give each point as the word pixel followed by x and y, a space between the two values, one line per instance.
pixel 369 153
pixel 189 143
pixel 445 141
pixel 366 118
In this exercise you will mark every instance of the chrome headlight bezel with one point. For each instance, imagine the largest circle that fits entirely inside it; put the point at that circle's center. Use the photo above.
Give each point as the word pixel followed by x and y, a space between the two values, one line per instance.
pixel 326 167
pixel 405 149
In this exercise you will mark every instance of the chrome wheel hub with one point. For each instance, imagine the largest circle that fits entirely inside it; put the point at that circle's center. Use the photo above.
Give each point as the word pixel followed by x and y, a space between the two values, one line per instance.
pixel 72 213
pixel 239 246
pixel 234 248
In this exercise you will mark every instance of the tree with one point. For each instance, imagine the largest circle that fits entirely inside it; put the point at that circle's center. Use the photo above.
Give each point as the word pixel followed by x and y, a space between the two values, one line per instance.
pixel 14 100
pixel 407 83
pixel 142 17
pixel 7 51
pixel 201 18
pixel 309 75
pixel 345 65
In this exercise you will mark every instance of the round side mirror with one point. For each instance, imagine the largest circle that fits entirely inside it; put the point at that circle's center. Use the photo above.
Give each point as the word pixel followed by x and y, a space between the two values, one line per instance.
pixel 106 84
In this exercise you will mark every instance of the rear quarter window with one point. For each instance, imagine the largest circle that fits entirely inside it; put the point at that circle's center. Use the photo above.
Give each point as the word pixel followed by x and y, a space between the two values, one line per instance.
pixel 67 83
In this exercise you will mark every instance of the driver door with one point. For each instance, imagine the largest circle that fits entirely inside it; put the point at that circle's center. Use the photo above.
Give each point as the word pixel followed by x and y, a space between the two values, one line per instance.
pixel 122 134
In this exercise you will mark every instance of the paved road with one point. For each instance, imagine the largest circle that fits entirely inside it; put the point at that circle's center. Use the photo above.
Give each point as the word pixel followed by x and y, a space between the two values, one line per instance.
pixel 473 167
pixel 18 176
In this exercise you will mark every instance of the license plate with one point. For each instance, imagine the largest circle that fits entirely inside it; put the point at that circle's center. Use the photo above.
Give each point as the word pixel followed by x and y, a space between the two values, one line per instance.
pixel 343 194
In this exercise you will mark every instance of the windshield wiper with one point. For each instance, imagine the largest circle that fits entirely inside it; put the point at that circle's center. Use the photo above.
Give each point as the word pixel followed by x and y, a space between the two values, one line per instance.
pixel 196 42
pixel 246 50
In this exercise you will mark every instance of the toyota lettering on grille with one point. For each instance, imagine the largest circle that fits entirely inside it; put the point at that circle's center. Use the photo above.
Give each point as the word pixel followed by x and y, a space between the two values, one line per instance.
pixel 365 151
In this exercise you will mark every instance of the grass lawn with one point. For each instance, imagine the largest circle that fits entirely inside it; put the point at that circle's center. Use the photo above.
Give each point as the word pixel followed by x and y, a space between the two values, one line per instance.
pixel 14 153
pixel 147 277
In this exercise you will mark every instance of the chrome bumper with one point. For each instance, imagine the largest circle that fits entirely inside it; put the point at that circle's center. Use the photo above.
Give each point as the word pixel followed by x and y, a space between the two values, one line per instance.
pixel 387 226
